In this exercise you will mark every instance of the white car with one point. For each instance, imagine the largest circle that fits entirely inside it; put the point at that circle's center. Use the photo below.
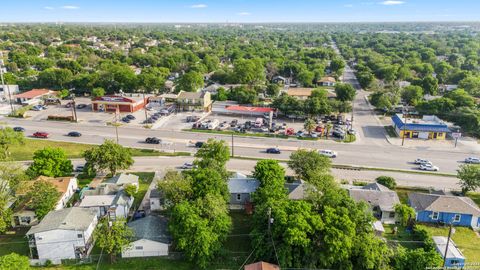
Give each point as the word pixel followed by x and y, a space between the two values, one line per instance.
pixel 422 161
pixel 472 160
pixel 428 167
pixel 187 166
pixel 328 153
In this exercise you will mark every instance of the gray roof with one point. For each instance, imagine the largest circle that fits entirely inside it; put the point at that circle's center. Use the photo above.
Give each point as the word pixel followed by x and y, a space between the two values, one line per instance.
pixel 154 193
pixel 443 203
pixel 123 178
pixel 296 190
pixel 74 218
pixel 386 200
pixel 102 189
pixel 441 244
pixel 376 186
pixel 242 185
pixel 97 200
pixel 152 227
pixel 190 95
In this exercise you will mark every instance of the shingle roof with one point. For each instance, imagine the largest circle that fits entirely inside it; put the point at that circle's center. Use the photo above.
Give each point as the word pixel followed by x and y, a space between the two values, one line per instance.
pixel 443 203
pixel 97 200
pixel 190 95
pixel 34 93
pixel 61 183
pixel 152 227
pixel 296 190
pixel 123 178
pixel 261 266
pixel 242 185
pixel 386 200
pixel 376 186
pixel 74 218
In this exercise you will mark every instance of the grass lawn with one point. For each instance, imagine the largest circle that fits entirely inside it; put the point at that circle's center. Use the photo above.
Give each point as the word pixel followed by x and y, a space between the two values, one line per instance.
pixel 145 180
pixel 475 197
pixel 465 239
pixel 133 263
pixel 402 235
pixel 73 150
pixel 402 193
pixel 14 242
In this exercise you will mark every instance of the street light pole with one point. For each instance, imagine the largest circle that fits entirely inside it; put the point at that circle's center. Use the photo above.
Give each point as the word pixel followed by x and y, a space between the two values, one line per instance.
pixel 233 147
pixel 404 126
pixel 145 107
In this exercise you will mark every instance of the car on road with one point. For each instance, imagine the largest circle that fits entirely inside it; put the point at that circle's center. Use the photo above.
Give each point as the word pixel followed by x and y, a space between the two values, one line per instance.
pixel 428 167
pixel 18 129
pixel 273 150
pixel 199 144
pixel 131 117
pixel 328 153
pixel 187 166
pixel 81 106
pixel 472 160
pixel 152 140
pixel 126 120
pixel 41 134
pixel 74 134
pixel 420 161
pixel 79 168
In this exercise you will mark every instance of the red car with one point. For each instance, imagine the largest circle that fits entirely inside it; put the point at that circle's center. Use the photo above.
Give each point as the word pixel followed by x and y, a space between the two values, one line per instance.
pixel 40 134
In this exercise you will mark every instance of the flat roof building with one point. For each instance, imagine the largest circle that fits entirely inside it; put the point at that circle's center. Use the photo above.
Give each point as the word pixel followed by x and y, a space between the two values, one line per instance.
pixel 427 127
pixel 113 102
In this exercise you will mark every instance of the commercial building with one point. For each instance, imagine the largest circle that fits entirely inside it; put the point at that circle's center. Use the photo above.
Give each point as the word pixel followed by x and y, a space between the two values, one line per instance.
pixel 8 91
pixel 187 101
pixel 34 96
pixel 427 127
pixel 120 103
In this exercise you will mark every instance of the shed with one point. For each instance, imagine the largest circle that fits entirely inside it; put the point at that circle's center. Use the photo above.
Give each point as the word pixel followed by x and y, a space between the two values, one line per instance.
pixel 454 256
pixel 152 238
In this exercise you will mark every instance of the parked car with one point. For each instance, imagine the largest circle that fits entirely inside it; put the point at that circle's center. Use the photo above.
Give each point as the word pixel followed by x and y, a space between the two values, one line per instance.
pixel 74 134
pixel 234 123
pixel 79 168
pixel 421 161
pixel 131 117
pixel 69 104
pixel 289 131
pixel 192 118
pixel 41 134
pixel 319 129
pixel 81 106
pixel 152 140
pixel 39 108
pixel 18 129
pixel 154 117
pixel 328 153
pixel 472 160
pixel 352 132
pixel 273 151
pixel 338 134
pixel 428 167
pixel 199 144
pixel 125 120
pixel 187 166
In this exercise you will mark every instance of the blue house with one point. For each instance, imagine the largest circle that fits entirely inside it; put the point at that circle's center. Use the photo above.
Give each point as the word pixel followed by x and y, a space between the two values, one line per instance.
pixel 454 256
pixel 446 209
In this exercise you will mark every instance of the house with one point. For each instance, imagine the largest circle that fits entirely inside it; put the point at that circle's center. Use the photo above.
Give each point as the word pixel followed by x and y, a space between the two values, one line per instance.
pixel 66 186
pixel 447 209
pixel 63 234
pixel 151 237
pixel 447 87
pixel 124 179
pixel 187 101
pixel 261 266
pixel 116 206
pixel 454 258
pixel 381 200
pixel 241 189
pixel 8 91
pixel 327 81
pixel 297 190
pixel 303 93
pixel 33 96
pixel 156 203
pixel 427 127
pixel 280 80
pixel 403 84
pixel 113 103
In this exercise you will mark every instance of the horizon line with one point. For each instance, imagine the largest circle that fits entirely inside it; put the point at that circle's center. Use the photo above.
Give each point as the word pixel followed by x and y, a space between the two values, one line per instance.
pixel 232 22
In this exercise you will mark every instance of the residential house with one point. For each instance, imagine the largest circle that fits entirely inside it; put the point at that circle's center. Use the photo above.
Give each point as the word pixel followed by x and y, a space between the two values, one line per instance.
pixel 381 200
pixel 454 257
pixel 23 216
pixel 303 93
pixel 63 234
pixel 445 209
pixel 115 205
pixel 156 202
pixel 187 101
pixel 261 266
pixel 8 91
pixel 34 96
pixel 427 127
pixel 151 237
pixel 280 80
pixel 124 179
pixel 443 88
pixel 327 81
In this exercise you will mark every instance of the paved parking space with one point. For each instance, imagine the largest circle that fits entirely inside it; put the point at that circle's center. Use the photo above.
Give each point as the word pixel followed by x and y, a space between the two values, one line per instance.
pixel 178 121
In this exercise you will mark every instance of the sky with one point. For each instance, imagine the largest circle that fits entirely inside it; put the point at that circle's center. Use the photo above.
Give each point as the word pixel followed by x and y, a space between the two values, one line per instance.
pixel 248 11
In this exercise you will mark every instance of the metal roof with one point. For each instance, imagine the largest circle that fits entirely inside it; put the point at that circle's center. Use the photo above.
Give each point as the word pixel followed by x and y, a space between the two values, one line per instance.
pixel 397 120
pixel 441 244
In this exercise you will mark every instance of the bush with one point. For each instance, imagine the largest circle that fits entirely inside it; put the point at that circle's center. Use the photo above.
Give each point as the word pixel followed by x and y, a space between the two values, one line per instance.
pixel 387 181
pixel 20 113
pixel 60 118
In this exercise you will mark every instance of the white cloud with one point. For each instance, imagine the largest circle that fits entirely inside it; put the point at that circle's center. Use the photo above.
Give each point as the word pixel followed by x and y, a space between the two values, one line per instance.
pixel 244 13
pixel 198 6
pixel 392 2
pixel 348 6
pixel 70 7
pixel 49 8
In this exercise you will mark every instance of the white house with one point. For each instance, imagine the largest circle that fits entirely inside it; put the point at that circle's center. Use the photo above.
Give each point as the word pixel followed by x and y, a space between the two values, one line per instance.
pixel 152 238
pixel 7 92
pixel 63 234
pixel 117 205
pixel 124 179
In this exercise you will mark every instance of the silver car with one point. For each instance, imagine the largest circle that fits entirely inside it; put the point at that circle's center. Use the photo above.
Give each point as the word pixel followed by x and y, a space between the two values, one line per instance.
pixel 472 160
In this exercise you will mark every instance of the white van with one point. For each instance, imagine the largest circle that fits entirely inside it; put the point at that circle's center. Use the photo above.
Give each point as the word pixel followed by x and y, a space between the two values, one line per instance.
pixel 259 122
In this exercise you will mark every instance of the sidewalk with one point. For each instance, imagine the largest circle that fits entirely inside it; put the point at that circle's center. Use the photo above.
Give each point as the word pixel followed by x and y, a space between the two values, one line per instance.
pixel 145 205
pixel 463 146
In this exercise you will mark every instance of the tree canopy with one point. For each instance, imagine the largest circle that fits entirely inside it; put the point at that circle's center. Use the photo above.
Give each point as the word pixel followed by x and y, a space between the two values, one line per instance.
pixel 108 156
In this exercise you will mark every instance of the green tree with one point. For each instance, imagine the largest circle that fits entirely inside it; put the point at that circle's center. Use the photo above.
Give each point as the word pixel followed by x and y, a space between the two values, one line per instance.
pixel 153 79
pixel 9 137
pixel 55 77
pixel 130 190
pixel 208 180
pixel 221 94
pixel 430 85
pixel 345 92
pixel 175 188
pixel 273 89
pixel 63 93
pixel 108 156
pixel 416 259
pixel 387 181
pixel 249 71
pixel 412 94
pixel 317 103
pixel 471 84
pixel 213 154
pixel 306 77
pixel 51 162
pixel 365 78
pixel 98 92
pixel 272 180
pixel 404 213
pixel 12 175
pixel 469 175
pixel 337 65
pixel 306 163
pixel 191 82
pixel 113 237
pixel 42 197
pixel 243 95
pixel 14 261
pixel 461 98
pixel 309 125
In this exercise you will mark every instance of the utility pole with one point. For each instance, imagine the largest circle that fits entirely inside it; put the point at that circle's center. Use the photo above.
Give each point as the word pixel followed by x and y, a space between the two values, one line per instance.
pixel 74 107
pixel 446 247
pixel 404 125
pixel 269 213
pixel 145 107
pixel 7 87
pixel 233 147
